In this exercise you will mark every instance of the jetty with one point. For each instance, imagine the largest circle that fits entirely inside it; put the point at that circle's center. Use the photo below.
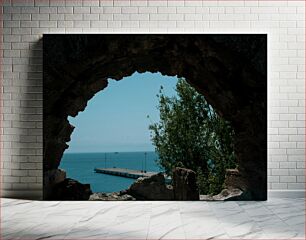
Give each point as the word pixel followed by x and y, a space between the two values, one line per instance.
pixel 124 172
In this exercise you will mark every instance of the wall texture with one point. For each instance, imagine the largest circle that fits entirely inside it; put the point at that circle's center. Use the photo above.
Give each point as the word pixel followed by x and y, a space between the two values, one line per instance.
pixel 24 22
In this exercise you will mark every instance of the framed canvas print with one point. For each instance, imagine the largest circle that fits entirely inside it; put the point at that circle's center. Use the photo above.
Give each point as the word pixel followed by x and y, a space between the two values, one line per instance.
pixel 155 117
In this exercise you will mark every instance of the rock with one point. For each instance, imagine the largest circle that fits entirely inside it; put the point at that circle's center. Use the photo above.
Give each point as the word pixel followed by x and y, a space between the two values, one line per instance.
pixel 151 188
pixel 184 184
pixel 118 196
pixel 54 176
pixel 70 189
pixel 233 194
pixel 235 188
pixel 51 178
pixel 206 197
pixel 234 180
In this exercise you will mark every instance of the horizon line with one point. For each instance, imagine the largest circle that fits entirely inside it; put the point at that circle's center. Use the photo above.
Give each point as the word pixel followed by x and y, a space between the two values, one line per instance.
pixel 111 152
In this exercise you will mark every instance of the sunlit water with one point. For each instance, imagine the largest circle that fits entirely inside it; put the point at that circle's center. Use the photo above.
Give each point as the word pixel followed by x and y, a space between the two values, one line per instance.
pixel 80 166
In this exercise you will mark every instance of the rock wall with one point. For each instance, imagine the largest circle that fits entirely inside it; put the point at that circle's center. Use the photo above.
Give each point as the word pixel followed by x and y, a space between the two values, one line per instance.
pixel 229 70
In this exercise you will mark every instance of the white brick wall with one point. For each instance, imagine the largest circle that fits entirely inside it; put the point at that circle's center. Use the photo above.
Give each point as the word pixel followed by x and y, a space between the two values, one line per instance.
pixel 24 22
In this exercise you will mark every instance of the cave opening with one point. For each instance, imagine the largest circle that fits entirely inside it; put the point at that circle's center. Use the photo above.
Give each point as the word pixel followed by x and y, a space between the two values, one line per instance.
pixel 124 142
pixel 230 70
pixel 112 132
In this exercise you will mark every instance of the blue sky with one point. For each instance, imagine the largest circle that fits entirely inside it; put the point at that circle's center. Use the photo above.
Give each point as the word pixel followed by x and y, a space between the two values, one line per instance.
pixel 115 119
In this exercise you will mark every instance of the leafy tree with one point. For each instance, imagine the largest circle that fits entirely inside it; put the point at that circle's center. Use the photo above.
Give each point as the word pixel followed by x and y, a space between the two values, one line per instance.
pixel 190 134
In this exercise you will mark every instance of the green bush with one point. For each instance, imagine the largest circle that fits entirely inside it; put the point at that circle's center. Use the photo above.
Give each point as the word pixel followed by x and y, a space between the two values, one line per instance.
pixel 190 134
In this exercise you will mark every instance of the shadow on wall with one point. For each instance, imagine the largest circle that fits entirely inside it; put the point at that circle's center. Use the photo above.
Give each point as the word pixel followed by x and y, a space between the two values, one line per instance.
pixel 30 124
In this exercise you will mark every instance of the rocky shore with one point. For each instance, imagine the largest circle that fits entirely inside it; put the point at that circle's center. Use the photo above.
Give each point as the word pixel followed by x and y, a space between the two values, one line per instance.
pixel 155 187
pixel 114 196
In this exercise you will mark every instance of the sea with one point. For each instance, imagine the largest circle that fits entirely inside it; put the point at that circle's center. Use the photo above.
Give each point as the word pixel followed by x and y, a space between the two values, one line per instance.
pixel 80 166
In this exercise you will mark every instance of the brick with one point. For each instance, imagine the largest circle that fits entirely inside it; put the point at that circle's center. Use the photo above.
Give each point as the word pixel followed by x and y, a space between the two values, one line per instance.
pixel 159 17
pixel 130 24
pixel 57 3
pixel 210 17
pixel 216 10
pixel 65 24
pixel 229 17
pixel 28 179
pixel 19 173
pixel 231 3
pixel 73 17
pixel 57 17
pixel 11 9
pixel 129 10
pixel 148 24
pixel 277 186
pixel 21 31
pixel 62 10
pixel 291 10
pixel 122 3
pixel 49 10
pixel 167 24
pixel 300 165
pixel 158 3
pixel 11 24
pixel 73 3
pixel 20 186
pixel 296 124
pixel 176 17
pixel 21 16
pixel 288 145
pixel 104 17
pixel 296 172
pixel 111 9
pixel 242 10
pixel 119 17
pixel 98 24
pixel 81 10
pixel 296 186
pixel 287 179
pixel 147 9
pixel 273 165
pixel 195 3
pixel 10 179
pixel 139 17
pixel 56 30
pixel 287 165
pixel 166 10
pixel 42 3
pixel 203 10
pixel 273 179
pixel 186 10
pixel 96 10
pixel 11 53
pixel 190 17
pixel 30 10
pixel 35 173
pixel 82 24
pixel 91 16
pixel 279 124
pixel 300 179
pixel 91 3
pixel 23 3
pixel 289 131
pixel 260 10
pixel 222 24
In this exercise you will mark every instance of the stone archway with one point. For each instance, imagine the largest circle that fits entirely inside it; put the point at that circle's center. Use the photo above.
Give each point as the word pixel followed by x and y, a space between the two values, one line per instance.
pixel 229 70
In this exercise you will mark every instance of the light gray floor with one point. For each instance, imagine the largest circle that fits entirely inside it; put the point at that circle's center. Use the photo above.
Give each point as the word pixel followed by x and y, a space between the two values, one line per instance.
pixel 274 219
